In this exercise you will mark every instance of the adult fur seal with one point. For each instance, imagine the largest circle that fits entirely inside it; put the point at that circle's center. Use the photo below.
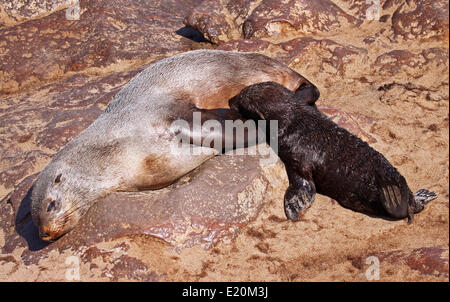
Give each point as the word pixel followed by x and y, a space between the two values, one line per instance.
pixel 321 157
pixel 128 147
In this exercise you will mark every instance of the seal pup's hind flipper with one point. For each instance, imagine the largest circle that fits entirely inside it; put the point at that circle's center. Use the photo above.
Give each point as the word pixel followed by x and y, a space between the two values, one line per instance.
pixel 394 201
pixel 401 203
pixel 421 198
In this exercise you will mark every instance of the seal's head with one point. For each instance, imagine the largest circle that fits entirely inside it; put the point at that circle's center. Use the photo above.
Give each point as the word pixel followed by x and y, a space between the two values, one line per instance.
pixel 58 201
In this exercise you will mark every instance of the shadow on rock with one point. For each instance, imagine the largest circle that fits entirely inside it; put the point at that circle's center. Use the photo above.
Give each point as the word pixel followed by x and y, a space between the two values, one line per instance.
pixel 191 34
pixel 25 227
pixel 15 219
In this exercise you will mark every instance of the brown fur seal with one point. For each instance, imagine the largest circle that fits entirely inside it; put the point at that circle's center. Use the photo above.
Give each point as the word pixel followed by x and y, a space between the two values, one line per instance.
pixel 128 147
pixel 321 157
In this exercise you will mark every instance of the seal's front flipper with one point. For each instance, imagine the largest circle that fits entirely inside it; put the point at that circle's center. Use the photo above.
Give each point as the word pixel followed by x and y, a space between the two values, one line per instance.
pixel 421 198
pixel 298 197
pixel 308 93
pixel 395 200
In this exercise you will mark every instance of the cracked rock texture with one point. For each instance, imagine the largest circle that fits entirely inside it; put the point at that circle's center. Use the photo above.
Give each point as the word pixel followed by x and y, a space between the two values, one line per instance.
pixel 15 12
pixel 382 73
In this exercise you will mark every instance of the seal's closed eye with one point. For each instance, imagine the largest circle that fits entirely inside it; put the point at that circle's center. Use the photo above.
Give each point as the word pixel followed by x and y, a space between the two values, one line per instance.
pixel 51 206
pixel 58 179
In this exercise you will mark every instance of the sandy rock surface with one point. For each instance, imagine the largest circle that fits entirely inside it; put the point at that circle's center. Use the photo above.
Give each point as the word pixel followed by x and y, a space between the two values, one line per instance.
pixel 382 73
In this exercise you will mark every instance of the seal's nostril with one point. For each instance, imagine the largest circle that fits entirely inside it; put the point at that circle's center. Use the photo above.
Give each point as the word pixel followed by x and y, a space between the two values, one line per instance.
pixel 43 234
pixel 51 206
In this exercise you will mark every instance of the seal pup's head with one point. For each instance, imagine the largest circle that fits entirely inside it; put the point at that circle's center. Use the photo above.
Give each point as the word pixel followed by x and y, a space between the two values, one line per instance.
pixel 270 101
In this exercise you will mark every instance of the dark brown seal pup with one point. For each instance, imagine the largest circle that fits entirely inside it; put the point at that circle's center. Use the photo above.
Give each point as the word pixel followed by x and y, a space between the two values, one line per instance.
pixel 128 147
pixel 321 157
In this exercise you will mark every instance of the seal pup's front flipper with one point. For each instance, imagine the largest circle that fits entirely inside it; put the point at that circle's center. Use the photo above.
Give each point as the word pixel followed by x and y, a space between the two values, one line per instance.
pixel 299 196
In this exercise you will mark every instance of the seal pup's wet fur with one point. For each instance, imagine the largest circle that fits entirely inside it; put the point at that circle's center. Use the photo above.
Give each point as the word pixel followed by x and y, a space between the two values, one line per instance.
pixel 322 157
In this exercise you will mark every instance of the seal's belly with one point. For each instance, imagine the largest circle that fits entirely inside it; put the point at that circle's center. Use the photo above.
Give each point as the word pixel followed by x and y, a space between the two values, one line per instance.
pixel 160 170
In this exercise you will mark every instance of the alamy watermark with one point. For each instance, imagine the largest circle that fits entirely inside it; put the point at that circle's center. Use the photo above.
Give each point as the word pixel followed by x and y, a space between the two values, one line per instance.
pixel 373 12
pixel 73 12
pixel 73 269
pixel 230 137
pixel 373 271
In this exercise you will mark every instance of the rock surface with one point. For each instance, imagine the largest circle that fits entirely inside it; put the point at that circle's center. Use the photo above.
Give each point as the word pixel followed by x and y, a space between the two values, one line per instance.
pixel 113 35
pixel 15 12
pixel 421 19
pixel 384 79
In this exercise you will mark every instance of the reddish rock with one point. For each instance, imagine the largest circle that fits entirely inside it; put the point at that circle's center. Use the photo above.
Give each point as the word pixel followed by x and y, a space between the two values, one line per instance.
pixel 272 18
pixel 426 260
pixel 108 33
pixel 18 11
pixel 55 135
pixel 305 52
pixel 129 268
pixel 396 61
pixel 367 10
pixel 391 3
pixel 15 219
pixel 24 166
pixel 421 19
pixel 245 45
pixel 327 53
pixel 220 21
pixel 356 8
pixel 226 20
pixel 209 19
pixel 393 61
pixel 122 266
pixel 352 122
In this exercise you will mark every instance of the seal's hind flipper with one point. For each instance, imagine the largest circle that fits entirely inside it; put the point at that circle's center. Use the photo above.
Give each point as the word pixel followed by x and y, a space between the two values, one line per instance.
pixel 421 198
pixel 394 201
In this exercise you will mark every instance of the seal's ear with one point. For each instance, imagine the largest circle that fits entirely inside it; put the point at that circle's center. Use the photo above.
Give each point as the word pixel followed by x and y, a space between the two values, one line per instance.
pixel 308 93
